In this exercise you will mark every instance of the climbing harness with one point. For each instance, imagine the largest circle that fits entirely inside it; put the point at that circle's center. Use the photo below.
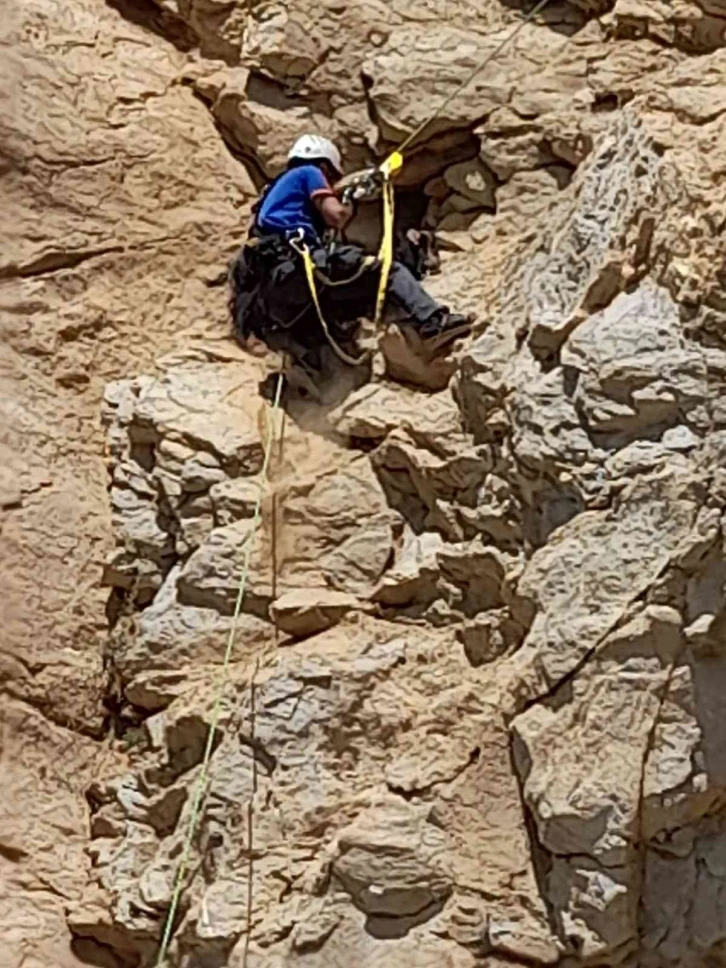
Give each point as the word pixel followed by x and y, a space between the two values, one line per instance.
pixel 384 259
pixel 301 247
pixel 203 777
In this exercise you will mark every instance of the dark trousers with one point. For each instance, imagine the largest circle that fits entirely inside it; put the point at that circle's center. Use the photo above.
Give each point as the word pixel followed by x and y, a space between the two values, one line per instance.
pixel 409 295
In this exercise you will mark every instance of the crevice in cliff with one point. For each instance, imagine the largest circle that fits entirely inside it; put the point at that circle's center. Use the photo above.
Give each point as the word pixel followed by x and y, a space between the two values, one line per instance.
pixel 47 710
pixel 702 35
pixel 55 261
pixel 241 152
pixel 562 16
pixel 91 951
pixel 541 857
pixel 558 692
pixel 157 20
pixel 640 843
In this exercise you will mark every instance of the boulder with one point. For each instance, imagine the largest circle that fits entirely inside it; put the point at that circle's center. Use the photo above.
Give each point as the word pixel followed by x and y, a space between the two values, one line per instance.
pixel 590 573
pixel 306 611
pixel 337 528
pixel 636 375
pixel 413 577
pixel 637 772
pixel 390 862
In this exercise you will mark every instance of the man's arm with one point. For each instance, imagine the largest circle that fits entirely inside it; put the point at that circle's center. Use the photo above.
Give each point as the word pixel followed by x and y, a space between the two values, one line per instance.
pixel 335 213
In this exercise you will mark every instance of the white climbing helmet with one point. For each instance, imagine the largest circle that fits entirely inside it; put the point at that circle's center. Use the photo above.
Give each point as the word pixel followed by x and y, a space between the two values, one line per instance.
pixel 314 146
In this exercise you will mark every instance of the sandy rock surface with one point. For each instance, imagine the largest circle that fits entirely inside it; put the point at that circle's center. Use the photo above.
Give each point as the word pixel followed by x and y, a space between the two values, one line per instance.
pixel 473 715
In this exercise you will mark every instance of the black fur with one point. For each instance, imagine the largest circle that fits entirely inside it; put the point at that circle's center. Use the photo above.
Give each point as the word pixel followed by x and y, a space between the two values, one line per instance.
pixel 417 250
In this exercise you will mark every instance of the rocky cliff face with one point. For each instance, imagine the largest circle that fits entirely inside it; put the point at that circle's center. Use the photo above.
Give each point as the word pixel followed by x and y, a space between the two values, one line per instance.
pixel 475 710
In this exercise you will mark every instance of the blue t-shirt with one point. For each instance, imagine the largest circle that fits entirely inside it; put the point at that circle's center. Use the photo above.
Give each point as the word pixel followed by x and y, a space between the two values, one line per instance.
pixel 289 203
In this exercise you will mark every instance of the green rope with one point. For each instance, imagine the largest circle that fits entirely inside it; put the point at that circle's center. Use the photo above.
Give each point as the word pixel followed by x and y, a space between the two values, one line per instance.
pixel 204 772
pixel 219 690
pixel 470 77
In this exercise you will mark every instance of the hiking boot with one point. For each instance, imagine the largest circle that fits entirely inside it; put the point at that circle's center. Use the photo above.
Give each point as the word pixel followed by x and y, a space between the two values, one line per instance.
pixel 443 328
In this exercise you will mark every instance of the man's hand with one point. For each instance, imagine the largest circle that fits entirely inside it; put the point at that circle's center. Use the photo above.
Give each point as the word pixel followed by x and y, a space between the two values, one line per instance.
pixel 361 186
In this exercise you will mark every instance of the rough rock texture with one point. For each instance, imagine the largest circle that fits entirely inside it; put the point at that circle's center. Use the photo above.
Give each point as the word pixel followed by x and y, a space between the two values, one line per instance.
pixel 474 713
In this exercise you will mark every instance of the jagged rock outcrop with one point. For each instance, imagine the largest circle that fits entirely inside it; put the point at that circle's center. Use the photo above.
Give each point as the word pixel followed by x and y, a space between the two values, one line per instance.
pixel 522 736
pixel 473 714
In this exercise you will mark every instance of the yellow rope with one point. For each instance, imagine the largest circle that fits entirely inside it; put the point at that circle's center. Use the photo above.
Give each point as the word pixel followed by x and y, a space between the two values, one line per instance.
pixel 385 253
pixel 219 689
pixel 302 249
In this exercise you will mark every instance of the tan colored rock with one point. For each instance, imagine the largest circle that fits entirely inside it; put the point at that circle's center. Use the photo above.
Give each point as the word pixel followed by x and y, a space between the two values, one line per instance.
pixel 44 820
pixel 659 781
pixel 573 528
pixel 431 490
pixel 473 181
pixel 234 499
pixel 377 408
pixel 607 245
pixel 117 198
pixel 307 611
pixel 637 374
pixel 211 577
pixel 527 195
pixel 173 637
pixel 414 574
pixel 695 27
pixel 390 862
pixel 337 528
pixel 178 407
pixel 489 636
pixel 407 361
pixel 399 67
pixel 616 556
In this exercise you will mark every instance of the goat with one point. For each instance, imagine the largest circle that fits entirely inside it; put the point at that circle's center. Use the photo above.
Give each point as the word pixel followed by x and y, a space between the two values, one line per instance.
pixel 418 250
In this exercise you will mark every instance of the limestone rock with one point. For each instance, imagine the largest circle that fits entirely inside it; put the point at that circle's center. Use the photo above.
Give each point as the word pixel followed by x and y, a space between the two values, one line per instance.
pixel 390 863
pixel 413 577
pixel 427 487
pixel 376 409
pixel 636 373
pixel 174 637
pixel 695 27
pixel 178 407
pixel 658 783
pixel 528 556
pixel 491 635
pixel 307 611
pixel 473 182
pixel 616 557
pixel 338 528
pixel 234 499
pixel 212 575
pixel 118 197
pixel 399 68
pixel 609 242
pixel 407 361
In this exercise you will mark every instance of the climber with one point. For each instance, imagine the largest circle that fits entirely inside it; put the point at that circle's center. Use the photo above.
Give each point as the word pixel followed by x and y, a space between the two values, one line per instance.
pixel 270 297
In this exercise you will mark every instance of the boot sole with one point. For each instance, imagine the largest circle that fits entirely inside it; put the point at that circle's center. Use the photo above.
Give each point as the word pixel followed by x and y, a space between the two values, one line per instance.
pixel 442 339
